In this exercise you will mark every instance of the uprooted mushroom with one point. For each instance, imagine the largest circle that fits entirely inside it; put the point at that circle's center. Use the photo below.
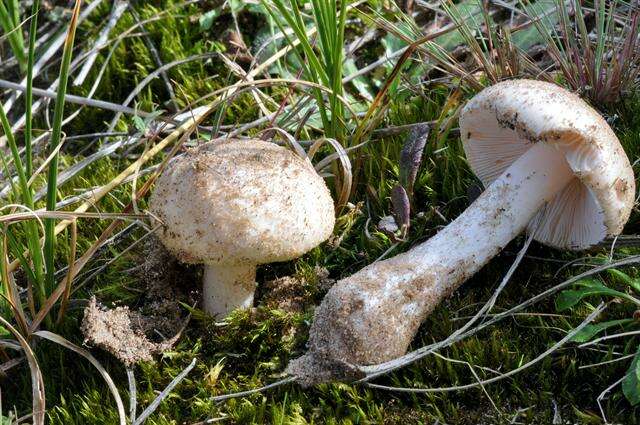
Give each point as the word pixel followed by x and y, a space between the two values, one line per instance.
pixel 234 204
pixel 544 156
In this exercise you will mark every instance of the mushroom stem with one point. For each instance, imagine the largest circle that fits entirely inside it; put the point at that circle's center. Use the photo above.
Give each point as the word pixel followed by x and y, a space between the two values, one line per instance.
pixel 372 316
pixel 226 288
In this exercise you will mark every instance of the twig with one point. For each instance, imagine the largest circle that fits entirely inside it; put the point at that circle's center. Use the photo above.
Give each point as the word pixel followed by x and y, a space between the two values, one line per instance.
pixel 119 6
pixel 530 363
pixel 154 405
pixel 133 395
pixel 617 359
pixel 607 337
pixel 94 135
pixel 604 393
pixel 254 391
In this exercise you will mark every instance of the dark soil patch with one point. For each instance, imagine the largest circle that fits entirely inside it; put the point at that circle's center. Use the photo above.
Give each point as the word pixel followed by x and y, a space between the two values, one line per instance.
pixel 292 293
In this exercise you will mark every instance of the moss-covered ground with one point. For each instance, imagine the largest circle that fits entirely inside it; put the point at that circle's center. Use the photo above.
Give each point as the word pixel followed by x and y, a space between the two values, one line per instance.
pixel 253 347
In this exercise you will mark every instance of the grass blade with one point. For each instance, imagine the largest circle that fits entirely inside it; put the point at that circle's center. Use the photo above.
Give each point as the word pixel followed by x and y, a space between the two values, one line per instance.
pixel 37 384
pixel 33 29
pixel 87 355
pixel 154 405
pixel 55 140
pixel 11 25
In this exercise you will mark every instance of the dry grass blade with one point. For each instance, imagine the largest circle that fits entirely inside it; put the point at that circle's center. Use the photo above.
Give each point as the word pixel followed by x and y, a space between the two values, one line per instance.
pixel 8 365
pixel 119 7
pixel 281 382
pixel 68 215
pixel 289 139
pixel 37 384
pixel 343 184
pixel 530 363
pixel 10 290
pixel 70 272
pixel 84 353
pixel 154 405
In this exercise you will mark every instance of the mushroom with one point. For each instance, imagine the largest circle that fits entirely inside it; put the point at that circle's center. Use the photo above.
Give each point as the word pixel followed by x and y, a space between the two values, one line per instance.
pixel 234 204
pixel 544 156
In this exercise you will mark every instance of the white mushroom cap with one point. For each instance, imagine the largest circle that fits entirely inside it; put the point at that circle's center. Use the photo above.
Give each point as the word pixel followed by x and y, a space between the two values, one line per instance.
pixel 503 121
pixel 236 202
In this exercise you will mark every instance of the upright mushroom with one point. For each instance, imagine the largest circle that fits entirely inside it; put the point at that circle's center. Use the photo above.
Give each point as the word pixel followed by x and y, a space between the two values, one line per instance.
pixel 542 153
pixel 234 204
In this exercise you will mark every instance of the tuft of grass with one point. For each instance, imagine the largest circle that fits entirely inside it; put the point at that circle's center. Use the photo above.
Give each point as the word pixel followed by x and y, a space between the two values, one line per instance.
pixel 37 264
pixel 321 56
pixel 603 62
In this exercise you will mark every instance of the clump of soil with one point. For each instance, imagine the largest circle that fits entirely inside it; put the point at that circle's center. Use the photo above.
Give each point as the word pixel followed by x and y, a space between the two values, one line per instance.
pixel 324 281
pixel 122 332
pixel 134 335
pixel 291 293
